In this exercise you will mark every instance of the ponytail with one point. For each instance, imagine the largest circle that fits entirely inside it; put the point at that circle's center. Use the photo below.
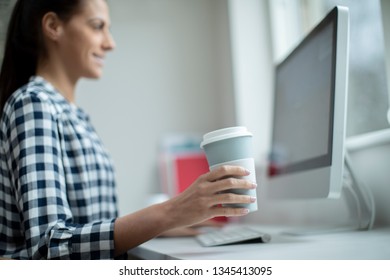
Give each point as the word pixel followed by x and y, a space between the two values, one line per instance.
pixel 20 56
pixel 24 42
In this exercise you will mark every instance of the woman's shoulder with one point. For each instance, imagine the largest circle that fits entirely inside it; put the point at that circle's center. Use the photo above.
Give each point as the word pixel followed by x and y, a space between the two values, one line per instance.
pixel 37 95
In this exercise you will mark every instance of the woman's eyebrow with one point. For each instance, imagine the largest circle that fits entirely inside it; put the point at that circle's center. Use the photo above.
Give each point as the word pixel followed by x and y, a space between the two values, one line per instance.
pixel 100 19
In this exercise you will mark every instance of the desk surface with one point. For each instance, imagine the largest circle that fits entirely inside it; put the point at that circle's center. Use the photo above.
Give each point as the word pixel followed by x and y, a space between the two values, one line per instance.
pixel 350 245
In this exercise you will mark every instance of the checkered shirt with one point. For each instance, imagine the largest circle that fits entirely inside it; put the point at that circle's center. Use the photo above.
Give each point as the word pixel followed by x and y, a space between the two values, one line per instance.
pixel 57 186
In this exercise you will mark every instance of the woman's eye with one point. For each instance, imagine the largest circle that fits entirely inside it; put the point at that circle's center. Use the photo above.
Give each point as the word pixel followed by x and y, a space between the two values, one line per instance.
pixel 98 25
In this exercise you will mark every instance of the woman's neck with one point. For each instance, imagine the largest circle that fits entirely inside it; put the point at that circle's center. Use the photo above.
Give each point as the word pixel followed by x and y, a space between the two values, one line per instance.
pixel 59 79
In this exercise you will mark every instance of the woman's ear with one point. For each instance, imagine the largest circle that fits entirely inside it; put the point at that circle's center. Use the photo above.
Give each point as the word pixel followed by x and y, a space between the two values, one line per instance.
pixel 51 26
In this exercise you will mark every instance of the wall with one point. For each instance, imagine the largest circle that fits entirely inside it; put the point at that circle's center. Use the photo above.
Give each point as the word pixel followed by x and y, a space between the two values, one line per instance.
pixel 5 13
pixel 170 73
pixel 252 69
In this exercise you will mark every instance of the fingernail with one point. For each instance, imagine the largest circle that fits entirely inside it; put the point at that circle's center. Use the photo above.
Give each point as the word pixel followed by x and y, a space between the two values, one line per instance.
pixel 244 211
pixel 254 185
pixel 253 199
pixel 247 172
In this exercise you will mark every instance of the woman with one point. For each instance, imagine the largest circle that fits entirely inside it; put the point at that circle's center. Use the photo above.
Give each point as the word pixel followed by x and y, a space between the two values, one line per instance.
pixel 57 186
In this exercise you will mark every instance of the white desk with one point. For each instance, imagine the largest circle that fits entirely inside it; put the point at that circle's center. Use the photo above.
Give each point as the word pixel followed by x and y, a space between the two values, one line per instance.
pixel 350 245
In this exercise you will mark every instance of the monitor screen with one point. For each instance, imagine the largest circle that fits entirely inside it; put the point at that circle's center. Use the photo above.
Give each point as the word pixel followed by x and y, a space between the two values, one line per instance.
pixel 308 129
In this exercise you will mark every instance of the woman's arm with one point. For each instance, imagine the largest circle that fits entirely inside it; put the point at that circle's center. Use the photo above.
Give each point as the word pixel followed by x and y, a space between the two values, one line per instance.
pixel 197 203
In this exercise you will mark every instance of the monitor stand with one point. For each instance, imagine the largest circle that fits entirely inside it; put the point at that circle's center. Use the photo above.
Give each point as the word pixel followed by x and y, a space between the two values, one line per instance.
pixel 359 199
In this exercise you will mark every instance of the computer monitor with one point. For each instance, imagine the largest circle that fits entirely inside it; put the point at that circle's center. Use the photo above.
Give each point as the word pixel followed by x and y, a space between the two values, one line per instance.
pixel 309 118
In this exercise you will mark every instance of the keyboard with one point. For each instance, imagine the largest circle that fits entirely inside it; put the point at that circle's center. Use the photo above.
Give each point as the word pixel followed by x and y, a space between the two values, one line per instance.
pixel 235 235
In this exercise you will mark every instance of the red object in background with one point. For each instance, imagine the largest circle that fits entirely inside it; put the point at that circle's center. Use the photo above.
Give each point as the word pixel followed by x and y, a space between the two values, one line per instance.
pixel 188 168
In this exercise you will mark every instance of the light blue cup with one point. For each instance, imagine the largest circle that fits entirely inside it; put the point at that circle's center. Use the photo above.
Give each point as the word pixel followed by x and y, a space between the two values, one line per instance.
pixel 232 146
pixel 227 144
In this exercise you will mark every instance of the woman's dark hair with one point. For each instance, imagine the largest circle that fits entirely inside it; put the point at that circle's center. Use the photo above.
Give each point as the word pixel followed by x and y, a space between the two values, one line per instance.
pixel 24 41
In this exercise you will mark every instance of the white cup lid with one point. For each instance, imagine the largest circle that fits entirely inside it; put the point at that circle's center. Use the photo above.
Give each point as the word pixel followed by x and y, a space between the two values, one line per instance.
pixel 224 133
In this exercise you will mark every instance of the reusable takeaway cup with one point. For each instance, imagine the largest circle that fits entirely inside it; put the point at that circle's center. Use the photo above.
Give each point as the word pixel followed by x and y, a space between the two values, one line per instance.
pixel 232 146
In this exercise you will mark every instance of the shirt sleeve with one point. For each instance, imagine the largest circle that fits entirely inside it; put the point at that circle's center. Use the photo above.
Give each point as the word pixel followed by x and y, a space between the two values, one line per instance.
pixel 40 190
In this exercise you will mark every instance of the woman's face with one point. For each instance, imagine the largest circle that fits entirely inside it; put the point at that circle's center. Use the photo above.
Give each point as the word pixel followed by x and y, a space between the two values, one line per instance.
pixel 86 40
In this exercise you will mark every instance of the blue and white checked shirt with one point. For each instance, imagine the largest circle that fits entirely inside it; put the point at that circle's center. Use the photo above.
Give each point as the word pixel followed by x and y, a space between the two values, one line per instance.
pixel 57 185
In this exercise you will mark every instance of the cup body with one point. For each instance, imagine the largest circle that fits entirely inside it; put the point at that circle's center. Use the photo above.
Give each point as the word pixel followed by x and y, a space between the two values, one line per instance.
pixel 232 146
pixel 249 164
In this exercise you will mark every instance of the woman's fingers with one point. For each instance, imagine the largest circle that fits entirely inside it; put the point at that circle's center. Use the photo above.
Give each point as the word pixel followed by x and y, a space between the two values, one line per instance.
pixel 231 183
pixel 225 171
pixel 229 211
pixel 226 177
pixel 231 198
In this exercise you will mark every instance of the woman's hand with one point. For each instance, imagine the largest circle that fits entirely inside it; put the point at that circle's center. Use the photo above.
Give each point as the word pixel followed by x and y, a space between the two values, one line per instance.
pixel 201 201
pixel 198 203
